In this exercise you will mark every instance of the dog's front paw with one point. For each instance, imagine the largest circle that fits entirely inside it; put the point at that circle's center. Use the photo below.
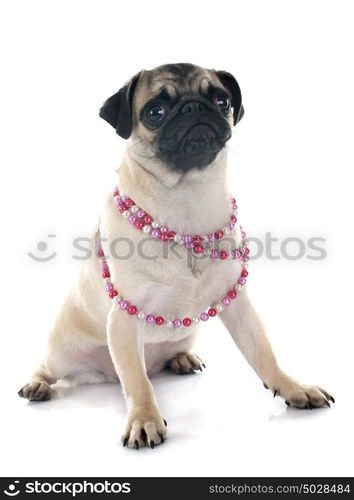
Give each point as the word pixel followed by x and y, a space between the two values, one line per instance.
pixel 185 362
pixel 299 395
pixel 146 428
pixel 36 391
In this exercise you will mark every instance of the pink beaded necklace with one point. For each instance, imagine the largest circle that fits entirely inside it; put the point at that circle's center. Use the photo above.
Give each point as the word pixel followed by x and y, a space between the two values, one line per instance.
pixel 143 221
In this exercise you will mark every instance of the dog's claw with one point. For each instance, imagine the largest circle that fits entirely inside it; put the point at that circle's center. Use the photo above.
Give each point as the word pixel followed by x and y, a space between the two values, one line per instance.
pixel 265 385
pixel 165 422
pixel 287 403
pixel 162 439
pixel 327 403
pixel 125 440
pixel 136 444
pixel 203 365
pixel 332 399
pixel 275 393
pixel 152 444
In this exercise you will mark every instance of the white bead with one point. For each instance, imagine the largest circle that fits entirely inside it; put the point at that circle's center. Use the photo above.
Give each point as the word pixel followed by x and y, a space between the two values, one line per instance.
pixel 177 238
pixel 234 212
pixel 245 265
pixel 205 238
pixel 207 251
pixel 219 308
pixel 117 198
pixel 134 209
pixel 229 256
pixel 245 242
pixel 126 213
pixel 169 324
pixel 147 228
pixel 238 287
pixel 107 280
pixel 118 298
pixel 141 315
pixel 226 230
pixel 155 224
pixel 196 320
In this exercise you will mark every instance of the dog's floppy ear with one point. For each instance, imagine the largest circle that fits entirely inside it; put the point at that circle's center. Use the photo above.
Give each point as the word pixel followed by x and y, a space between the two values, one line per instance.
pixel 117 110
pixel 230 83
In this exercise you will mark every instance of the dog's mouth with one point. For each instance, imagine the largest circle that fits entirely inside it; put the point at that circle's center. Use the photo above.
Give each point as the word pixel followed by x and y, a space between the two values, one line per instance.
pixel 196 147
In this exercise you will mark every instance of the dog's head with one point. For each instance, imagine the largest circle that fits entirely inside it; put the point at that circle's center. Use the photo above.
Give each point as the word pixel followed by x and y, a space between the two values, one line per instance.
pixel 180 114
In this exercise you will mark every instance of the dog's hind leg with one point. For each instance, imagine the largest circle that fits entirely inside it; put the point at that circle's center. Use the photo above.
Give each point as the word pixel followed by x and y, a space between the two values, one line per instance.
pixel 38 389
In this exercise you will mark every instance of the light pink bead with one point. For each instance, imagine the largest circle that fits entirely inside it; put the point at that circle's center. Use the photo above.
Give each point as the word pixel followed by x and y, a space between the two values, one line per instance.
pixel 204 316
pixel 177 323
pixel 141 214
pixel 123 304
pixel 164 229
pixel 150 318
pixel 242 281
pixel 226 301
pixel 132 219
pixel 155 233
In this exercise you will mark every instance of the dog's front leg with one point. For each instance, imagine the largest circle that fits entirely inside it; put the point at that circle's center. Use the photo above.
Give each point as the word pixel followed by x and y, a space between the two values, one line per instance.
pixel 145 425
pixel 248 333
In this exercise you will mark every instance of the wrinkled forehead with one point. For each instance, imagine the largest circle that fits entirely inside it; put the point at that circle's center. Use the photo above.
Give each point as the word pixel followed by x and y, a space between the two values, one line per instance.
pixel 175 80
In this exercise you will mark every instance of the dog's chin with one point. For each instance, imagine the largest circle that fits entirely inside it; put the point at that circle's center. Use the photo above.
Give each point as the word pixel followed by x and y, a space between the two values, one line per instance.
pixel 197 149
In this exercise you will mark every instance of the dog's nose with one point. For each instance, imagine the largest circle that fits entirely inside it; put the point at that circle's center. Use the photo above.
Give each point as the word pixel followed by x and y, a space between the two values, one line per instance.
pixel 192 107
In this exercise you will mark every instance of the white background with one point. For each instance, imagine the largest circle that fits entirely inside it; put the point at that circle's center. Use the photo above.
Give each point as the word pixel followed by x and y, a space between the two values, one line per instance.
pixel 290 162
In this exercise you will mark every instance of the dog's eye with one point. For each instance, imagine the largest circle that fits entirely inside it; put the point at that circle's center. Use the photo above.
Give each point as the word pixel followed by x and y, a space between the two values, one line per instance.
pixel 223 102
pixel 155 113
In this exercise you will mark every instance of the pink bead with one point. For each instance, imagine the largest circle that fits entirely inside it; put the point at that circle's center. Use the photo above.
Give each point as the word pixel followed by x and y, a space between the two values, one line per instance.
pixel 100 252
pixel 204 316
pixel 139 224
pixel 129 203
pixel 150 318
pixel 164 229
pixel 243 234
pixel 232 294
pixel 122 208
pixel 245 258
pixel 198 248
pixel 140 214
pixel 112 293
pixel 223 254
pixel 226 301
pixel 177 323
pixel 233 200
pixel 187 322
pixel 147 219
pixel 244 273
pixel 159 320
pixel 123 304
pixel 233 218
pixel 242 281
pixel 106 274
pixel 164 237
pixel 197 239
pixel 132 310
pixel 219 234
pixel 116 191
pixel 155 233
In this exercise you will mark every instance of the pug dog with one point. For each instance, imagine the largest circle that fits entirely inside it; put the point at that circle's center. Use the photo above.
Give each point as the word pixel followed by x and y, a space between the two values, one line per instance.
pixel 176 119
